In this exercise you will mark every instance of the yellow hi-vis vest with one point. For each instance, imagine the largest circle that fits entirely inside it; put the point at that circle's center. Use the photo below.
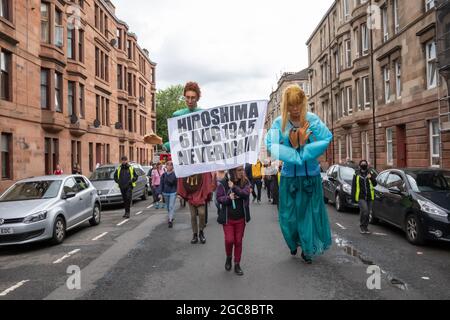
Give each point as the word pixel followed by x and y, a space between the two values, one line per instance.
pixel 358 189
pixel 131 174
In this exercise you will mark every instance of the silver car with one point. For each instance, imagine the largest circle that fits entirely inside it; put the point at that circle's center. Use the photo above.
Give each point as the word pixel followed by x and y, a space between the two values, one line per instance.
pixel 46 208
pixel 103 180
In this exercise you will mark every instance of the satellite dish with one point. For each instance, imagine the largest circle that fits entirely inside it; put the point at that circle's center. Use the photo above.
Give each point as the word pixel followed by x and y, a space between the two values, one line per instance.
pixel 96 123
pixel 118 125
pixel 141 99
pixel 113 42
pixel 73 119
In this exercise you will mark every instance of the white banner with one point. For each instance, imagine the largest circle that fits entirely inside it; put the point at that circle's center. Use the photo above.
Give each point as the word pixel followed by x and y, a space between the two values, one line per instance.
pixel 215 139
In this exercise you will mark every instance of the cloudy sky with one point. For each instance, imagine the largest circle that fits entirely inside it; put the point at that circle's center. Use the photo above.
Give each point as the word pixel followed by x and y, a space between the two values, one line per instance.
pixel 235 49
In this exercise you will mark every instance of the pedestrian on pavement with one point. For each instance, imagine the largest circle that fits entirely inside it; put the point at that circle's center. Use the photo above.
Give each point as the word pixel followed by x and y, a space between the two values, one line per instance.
pixel 218 177
pixel 125 176
pixel 76 169
pixel 156 186
pixel 302 213
pixel 197 189
pixel 363 192
pixel 58 171
pixel 233 195
pixel 271 177
pixel 169 190
pixel 257 181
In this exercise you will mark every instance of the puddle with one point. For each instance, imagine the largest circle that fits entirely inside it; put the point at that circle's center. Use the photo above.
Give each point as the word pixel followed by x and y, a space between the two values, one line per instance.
pixel 349 249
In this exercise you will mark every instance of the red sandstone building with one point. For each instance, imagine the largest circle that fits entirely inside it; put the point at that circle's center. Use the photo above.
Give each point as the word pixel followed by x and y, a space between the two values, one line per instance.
pixel 75 88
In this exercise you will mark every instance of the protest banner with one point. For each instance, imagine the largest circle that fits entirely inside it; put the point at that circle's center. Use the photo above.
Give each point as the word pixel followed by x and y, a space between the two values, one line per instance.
pixel 219 138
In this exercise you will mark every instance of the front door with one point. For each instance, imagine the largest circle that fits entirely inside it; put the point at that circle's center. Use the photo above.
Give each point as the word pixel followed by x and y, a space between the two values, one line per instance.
pixel 401 146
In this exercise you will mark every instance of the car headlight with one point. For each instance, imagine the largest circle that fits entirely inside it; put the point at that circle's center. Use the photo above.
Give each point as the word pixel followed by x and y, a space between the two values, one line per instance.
pixel 115 190
pixel 430 208
pixel 347 188
pixel 36 217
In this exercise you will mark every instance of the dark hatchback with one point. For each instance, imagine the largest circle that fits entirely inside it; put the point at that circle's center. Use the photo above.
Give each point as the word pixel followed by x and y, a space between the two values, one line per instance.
pixel 415 200
pixel 337 186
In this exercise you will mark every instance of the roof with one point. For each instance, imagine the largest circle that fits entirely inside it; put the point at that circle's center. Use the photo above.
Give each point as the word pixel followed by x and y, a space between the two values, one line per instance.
pixel 293 76
pixel 48 178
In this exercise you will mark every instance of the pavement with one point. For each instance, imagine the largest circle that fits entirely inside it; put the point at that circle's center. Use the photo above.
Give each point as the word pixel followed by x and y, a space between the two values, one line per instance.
pixel 142 258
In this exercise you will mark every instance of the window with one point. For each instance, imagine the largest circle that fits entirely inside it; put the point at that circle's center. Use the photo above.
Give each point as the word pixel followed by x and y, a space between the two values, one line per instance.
pixel 81 101
pixel 76 154
pixel 59 31
pixel 435 143
pixel 5 9
pixel 121 151
pixel 348 53
pixel 131 154
pixel 45 26
pixel 364 39
pixel 45 94
pixel 396 17
pixel 58 92
pixel 398 79
pixel 384 13
pixel 394 180
pixel 431 64
pixel 429 4
pixel 119 39
pixel 130 120
pixel 119 77
pixel 91 156
pixel 340 150
pixel 6 153
pixel 349 146
pixel 357 43
pixel 5 78
pixel 120 114
pixel 389 147
pixel 336 61
pixel 343 103
pixel 97 108
pixel 346 5
pixel 71 98
pixel 71 43
pixel 358 94
pixel 107 112
pixel 349 100
pixel 366 92
pixel 129 49
pixel 51 155
pixel 387 84
pixel 365 146
pixel 70 186
pixel 108 153
pixel 97 62
pixel 81 45
pixel 130 85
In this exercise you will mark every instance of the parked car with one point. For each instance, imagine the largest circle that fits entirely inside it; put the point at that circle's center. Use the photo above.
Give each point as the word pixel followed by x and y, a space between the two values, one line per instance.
pixel 46 208
pixel 103 179
pixel 337 186
pixel 415 200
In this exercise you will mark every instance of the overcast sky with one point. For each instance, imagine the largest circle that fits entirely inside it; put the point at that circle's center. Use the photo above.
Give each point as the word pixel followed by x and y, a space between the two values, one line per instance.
pixel 235 49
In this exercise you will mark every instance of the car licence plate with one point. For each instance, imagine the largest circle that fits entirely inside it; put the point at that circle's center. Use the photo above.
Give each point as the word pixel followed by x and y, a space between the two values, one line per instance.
pixel 4 231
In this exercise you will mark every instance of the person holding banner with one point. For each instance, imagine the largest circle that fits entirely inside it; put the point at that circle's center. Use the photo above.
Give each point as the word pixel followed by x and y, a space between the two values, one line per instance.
pixel 299 138
pixel 233 195
pixel 196 189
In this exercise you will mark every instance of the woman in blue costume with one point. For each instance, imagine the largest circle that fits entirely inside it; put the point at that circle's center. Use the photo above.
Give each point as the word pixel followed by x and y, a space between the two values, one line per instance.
pixel 299 138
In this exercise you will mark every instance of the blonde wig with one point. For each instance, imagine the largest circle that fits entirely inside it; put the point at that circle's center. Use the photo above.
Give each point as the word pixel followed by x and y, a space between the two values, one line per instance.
pixel 293 96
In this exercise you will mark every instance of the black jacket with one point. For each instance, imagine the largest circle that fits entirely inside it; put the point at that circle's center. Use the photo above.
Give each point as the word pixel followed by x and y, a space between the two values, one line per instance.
pixel 125 180
pixel 224 201
pixel 365 185
pixel 169 182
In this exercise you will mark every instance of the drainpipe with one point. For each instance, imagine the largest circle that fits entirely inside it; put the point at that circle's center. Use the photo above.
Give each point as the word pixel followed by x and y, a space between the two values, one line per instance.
pixel 373 97
pixel 331 90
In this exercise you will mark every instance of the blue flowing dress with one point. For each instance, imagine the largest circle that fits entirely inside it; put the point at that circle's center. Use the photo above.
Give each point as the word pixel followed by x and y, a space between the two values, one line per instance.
pixel 303 215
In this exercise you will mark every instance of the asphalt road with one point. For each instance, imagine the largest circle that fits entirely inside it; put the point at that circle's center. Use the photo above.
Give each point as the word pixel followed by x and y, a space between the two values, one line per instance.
pixel 143 259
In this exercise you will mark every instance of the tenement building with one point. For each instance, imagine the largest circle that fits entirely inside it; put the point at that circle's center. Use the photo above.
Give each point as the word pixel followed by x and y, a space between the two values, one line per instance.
pixel 76 88
pixel 374 81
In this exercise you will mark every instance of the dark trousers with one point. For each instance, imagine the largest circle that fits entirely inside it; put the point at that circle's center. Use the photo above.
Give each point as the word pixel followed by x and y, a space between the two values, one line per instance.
pixel 234 233
pixel 268 185
pixel 365 208
pixel 127 196
pixel 258 183
pixel 274 190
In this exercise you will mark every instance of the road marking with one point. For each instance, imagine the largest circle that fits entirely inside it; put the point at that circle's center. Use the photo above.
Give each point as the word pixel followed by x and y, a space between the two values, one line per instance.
pixel 425 278
pixel 150 206
pixel 123 222
pixel 380 234
pixel 71 253
pixel 17 286
pixel 341 226
pixel 420 253
pixel 140 212
pixel 100 236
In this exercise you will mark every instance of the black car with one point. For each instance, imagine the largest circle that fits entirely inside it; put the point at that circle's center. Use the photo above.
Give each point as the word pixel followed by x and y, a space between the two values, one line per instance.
pixel 337 186
pixel 415 200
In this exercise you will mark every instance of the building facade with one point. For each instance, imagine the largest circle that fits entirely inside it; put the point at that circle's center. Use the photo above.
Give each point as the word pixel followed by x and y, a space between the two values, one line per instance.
pixel 376 84
pixel 76 88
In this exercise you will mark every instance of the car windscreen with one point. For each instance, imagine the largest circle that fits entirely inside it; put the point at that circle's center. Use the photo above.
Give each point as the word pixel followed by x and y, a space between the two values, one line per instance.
pixel 432 181
pixel 37 190
pixel 103 174
pixel 347 173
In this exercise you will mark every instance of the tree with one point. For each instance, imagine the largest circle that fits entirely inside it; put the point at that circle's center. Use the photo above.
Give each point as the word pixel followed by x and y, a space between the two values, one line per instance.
pixel 167 102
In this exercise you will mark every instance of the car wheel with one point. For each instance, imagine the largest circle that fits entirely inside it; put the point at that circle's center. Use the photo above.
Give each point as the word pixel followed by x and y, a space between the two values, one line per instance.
pixel 414 232
pixel 338 202
pixel 96 216
pixel 145 195
pixel 59 231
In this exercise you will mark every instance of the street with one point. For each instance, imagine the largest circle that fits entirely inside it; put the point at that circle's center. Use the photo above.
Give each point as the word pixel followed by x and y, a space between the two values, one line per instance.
pixel 143 259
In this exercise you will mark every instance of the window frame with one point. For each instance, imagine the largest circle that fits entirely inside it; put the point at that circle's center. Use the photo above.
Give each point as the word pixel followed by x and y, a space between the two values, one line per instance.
pixel 390 150
pixel 431 142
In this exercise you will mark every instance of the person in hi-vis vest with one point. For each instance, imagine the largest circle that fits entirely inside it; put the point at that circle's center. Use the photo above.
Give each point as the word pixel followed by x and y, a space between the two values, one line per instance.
pixel 126 178
pixel 363 192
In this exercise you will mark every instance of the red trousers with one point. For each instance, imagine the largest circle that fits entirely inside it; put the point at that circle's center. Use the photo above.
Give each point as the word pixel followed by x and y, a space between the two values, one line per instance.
pixel 234 233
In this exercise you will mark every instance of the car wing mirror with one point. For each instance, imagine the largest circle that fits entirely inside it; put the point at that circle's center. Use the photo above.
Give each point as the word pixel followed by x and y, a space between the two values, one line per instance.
pixel 69 195
pixel 395 190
